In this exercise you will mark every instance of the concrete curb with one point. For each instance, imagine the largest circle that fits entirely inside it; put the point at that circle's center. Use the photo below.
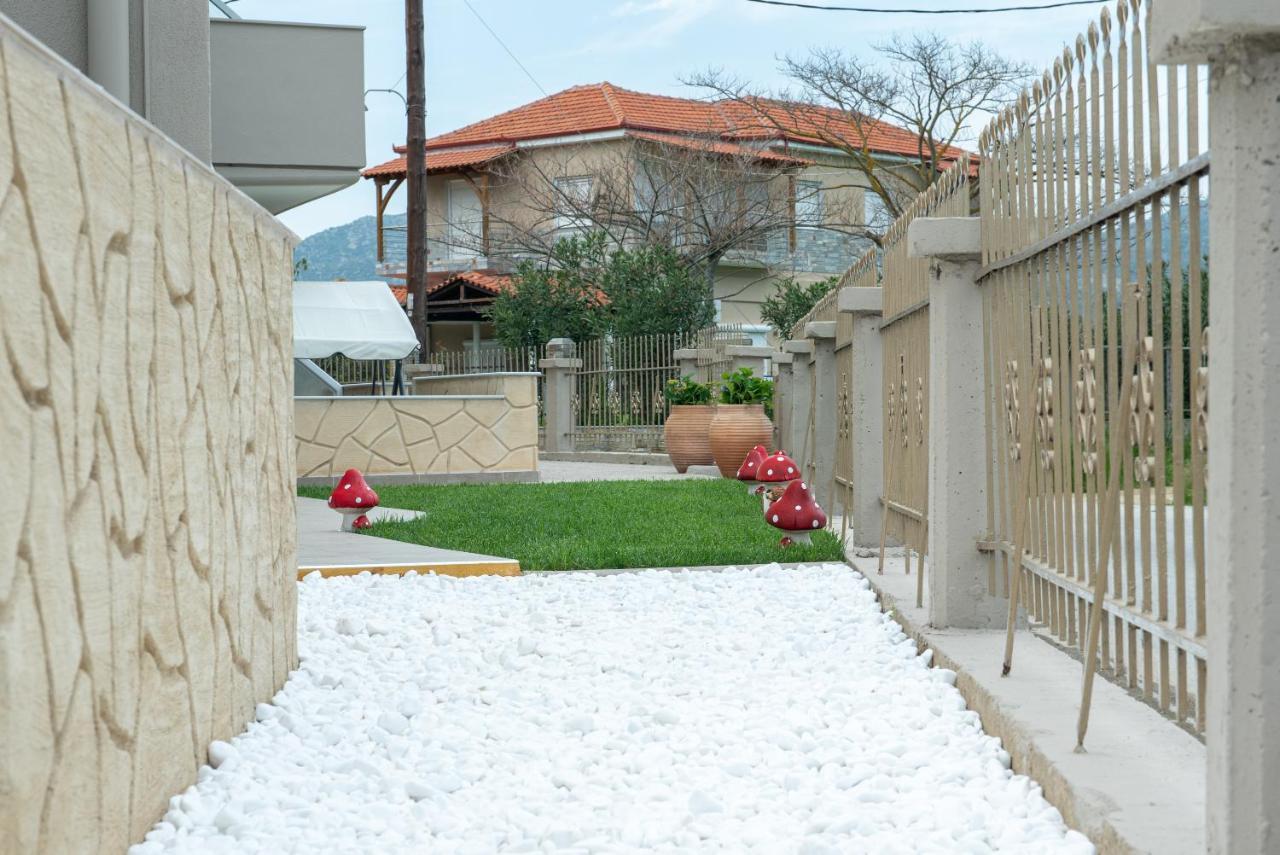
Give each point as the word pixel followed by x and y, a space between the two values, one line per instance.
pixel 1106 793
pixel 631 458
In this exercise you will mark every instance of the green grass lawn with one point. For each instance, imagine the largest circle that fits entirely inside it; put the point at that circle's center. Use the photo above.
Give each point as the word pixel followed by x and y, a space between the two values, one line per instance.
pixel 596 525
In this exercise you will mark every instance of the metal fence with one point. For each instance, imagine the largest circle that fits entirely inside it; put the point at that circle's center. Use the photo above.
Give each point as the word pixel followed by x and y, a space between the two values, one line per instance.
pixel 1095 287
pixel 619 401
pixel 904 332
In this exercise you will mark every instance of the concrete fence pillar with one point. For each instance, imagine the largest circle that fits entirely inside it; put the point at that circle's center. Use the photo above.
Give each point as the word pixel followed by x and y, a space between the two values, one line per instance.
pixel 687 361
pixel 958 593
pixel 749 356
pixel 783 388
pixel 866 391
pixel 1240 40
pixel 559 367
pixel 822 456
pixel 801 390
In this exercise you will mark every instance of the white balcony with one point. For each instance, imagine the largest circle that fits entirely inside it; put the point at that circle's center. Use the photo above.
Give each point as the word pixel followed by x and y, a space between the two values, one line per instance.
pixel 287 108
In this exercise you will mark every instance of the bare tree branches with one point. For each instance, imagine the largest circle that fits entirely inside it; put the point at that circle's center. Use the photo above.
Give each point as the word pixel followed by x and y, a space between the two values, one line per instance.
pixel 934 88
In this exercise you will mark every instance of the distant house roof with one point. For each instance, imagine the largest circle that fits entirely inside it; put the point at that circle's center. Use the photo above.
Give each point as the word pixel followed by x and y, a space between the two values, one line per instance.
pixel 598 107
pixel 437 280
pixel 442 161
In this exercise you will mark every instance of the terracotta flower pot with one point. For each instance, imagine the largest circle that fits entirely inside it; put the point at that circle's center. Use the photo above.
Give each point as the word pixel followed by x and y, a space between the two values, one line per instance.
pixel 735 429
pixel 686 432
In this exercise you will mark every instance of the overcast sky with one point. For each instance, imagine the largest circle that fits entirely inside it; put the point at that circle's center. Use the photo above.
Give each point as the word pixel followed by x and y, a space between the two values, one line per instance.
pixel 646 45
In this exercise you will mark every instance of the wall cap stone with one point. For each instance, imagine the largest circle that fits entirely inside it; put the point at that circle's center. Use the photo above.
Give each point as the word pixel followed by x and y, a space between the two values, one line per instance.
pixel 1194 31
pixel 797 346
pixel 820 329
pixel 338 399
pixel 782 359
pixel 861 301
pixel 945 238
pixel 559 362
pixel 748 350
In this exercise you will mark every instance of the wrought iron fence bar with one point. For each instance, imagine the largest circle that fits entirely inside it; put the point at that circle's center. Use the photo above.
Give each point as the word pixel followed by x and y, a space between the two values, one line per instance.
pixel 1197 167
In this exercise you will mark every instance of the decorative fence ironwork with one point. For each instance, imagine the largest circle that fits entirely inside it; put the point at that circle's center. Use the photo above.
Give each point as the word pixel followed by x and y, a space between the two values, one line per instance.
pixel 1095 288
pixel 486 360
pixel 905 342
pixel 619 401
pixel 375 374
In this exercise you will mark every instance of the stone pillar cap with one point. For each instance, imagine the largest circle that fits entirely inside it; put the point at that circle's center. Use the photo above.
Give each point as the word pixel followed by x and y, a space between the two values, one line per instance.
pixel 820 329
pixel 861 301
pixel 748 350
pixel 781 358
pixel 798 345
pixel 559 362
pixel 945 238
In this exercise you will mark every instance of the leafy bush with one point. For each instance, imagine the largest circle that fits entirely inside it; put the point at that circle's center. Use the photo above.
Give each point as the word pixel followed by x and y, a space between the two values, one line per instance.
pixel 686 390
pixel 588 288
pixel 791 301
pixel 743 387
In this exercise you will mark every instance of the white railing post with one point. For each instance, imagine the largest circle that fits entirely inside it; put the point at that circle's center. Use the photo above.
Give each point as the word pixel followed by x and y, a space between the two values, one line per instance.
pixel 958 572
pixel 866 390
pixel 822 456
pixel 801 392
pixel 1240 39
pixel 559 367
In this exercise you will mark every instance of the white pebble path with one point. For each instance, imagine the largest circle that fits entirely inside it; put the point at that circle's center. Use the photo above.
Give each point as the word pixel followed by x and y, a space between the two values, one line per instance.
pixel 755 710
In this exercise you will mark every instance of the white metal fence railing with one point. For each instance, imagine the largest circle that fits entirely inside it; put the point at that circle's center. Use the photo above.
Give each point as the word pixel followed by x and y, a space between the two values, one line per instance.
pixel 1095 283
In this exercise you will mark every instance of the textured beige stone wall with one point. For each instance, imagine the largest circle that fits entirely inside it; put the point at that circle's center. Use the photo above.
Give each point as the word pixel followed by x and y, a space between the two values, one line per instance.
pixel 147 547
pixel 420 435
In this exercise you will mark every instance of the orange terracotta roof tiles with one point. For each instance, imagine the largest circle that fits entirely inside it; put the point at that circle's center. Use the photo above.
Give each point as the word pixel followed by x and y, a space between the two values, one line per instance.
pixel 441 161
pixel 485 280
pixel 600 107
pixel 718 147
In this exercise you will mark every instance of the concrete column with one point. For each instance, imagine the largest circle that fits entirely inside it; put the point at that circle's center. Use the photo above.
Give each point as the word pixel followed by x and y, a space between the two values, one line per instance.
pixel 866 381
pixel 1240 39
pixel 687 361
pixel 958 595
pixel 801 391
pixel 749 356
pixel 822 456
pixel 559 366
pixel 783 388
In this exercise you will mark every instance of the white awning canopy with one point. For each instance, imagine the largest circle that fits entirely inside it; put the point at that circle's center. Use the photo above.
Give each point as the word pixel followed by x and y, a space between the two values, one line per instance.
pixel 361 320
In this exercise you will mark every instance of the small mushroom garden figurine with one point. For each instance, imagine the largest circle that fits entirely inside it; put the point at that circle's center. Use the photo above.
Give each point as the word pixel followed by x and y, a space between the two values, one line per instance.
pixel 352 498
pixel 797 513
pixel 751 467
pixel 776 469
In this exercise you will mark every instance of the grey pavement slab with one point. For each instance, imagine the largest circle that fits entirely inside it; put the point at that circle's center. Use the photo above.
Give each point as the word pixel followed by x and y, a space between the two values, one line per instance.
pixel 322 544
pixel 553 471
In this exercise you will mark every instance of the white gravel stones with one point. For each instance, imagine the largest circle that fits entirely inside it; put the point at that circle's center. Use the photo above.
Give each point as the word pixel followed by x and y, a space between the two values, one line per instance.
pixel 749 711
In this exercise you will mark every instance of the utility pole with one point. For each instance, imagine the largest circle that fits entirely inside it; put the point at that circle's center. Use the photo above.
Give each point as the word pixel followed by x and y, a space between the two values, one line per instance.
pixel 416 156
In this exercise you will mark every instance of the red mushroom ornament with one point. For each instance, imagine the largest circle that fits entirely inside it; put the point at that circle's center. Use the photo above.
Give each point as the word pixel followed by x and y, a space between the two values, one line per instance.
pixel 796 513
pixel 352 498
pixel 750 468
pixel 777 468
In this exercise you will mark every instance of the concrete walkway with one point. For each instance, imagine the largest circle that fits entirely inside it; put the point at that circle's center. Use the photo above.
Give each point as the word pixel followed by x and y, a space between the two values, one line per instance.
pixel 323 547
pixel 554 471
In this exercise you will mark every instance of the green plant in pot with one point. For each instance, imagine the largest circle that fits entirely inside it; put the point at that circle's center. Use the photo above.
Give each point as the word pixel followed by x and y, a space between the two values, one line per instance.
pixel 741 420
pixel 687 425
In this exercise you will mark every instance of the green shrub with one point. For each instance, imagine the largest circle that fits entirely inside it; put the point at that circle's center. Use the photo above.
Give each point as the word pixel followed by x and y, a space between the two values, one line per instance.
pixel 686 390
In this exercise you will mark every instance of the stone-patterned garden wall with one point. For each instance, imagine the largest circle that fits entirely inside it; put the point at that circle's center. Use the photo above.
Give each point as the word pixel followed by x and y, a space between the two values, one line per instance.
pixel 147 549
pixel 420 438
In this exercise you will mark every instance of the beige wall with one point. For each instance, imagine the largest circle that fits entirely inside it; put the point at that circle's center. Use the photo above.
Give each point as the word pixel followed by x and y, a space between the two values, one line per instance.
pixel 491 428
pixel 147 598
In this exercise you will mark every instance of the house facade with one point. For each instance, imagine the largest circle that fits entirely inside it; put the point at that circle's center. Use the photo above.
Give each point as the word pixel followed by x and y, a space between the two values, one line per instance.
pixel 506 187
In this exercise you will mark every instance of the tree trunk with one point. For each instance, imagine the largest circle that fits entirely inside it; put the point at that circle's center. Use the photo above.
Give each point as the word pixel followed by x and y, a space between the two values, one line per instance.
pixel 709 273
pixel 416 157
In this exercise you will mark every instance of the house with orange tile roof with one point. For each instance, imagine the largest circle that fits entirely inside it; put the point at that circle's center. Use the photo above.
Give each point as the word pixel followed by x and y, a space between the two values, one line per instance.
pixel 497 187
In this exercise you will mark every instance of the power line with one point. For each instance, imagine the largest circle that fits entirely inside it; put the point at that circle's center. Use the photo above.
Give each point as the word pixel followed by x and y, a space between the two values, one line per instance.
pixel 1058 5
pixel 497 39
